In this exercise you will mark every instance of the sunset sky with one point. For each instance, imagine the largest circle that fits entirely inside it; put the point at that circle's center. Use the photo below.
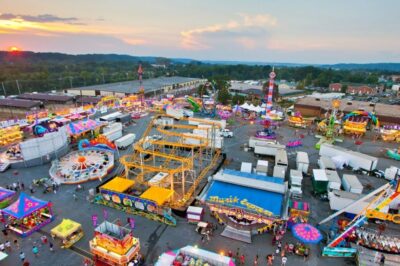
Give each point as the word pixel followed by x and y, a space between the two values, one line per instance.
pixel 307 31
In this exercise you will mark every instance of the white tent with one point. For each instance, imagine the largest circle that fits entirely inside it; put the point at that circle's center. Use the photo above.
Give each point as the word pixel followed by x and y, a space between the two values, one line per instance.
pixel 340 161
pixel 245 106
pixel 264 105
pixel 259 109
pixel 252 108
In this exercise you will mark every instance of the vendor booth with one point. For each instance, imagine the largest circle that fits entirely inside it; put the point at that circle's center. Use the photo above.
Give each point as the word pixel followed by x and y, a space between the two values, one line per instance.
pixel 5 197
pixel 190 255
pixel 68 232
pixel 27 215
pixel 10 135
pixel 114 245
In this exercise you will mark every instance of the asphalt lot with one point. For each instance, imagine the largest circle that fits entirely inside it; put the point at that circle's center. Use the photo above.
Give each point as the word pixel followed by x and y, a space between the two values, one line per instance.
pixel 156 238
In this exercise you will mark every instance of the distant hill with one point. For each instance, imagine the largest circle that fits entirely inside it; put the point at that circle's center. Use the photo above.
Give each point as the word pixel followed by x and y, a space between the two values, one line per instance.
pixel 370 66
pixel 32 57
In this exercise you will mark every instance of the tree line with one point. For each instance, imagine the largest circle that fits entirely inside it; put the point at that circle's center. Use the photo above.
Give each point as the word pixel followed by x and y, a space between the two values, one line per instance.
pixel 28 72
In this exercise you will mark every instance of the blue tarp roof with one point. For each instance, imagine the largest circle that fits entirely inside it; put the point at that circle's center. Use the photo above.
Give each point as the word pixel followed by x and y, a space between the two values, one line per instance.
pixel 24 206
pixel 242 197
pixel 254 176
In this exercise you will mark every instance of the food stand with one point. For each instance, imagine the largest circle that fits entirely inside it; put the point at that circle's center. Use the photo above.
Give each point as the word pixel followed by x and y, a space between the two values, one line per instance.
pixel 299 212
pixel 114 245
pixel 27 215
pixel 194 214
pixel 68 231
pixel 10 135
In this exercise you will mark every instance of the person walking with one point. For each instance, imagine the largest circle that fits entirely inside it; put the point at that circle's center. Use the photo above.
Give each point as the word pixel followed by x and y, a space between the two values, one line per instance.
pixel 242 259
pixel 75 197
pixel 2 247
pixel 8 246
pixel 22 256
pixel 382 260
pixel 31 189
pixel 5 233
pixel 16 244
pixel 256 260
pixel 51 247
pixel 306 254
pixel 35 251
pixel 269 259
pixel 284 260
pixel 22 186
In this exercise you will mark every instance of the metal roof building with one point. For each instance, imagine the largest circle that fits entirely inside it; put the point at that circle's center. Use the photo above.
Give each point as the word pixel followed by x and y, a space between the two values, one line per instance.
pixel 154 85
pixel 18 103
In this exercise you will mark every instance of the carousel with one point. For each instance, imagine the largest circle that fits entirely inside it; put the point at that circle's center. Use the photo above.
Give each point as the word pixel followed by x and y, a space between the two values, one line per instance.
pixel 82 166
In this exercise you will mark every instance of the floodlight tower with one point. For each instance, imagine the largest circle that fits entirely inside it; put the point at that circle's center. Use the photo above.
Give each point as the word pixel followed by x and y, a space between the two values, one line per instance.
pixel 272 76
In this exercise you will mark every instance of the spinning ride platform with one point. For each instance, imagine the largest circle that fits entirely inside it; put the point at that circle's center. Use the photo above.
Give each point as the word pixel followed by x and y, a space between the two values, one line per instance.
pixel 82 166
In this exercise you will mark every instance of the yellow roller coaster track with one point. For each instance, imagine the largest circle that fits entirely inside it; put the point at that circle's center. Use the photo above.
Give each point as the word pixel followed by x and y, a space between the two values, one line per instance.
pixel 186 163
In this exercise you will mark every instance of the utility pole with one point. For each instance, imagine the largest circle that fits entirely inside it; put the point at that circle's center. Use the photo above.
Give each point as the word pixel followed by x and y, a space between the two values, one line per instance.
pixel 19 90
pixel 4 89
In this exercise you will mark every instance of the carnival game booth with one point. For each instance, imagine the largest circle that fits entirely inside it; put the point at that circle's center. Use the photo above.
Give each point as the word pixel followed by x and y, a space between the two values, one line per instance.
pixel 5 197
pixel 27 215
pixel 114 245
pixel 68 232
pixel 190 255
pixel 120 193
pixel 247 200
pixel 82 166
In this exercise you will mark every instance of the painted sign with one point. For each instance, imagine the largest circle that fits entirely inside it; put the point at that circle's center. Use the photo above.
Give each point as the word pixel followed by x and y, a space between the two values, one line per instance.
pixel 129 201
pixel 243 202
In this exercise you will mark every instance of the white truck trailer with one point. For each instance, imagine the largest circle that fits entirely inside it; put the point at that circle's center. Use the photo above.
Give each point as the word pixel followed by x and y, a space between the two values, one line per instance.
pixel 357 160
pixel 334 180
pixel 351 184
pixel 113 131
pixel 269 149
pixel 125 141
pixel 281 158
pixel 296 179
pixel 339 199
pixel 302 162
pixel 261 168
pixel 279 171
pixel 326 163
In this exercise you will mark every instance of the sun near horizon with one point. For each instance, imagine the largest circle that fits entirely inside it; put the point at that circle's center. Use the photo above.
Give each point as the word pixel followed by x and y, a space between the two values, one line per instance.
pixel 14 49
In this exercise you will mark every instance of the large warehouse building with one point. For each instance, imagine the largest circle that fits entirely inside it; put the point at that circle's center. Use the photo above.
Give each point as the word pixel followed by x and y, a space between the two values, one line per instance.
pixel 317 107
pixel 151 87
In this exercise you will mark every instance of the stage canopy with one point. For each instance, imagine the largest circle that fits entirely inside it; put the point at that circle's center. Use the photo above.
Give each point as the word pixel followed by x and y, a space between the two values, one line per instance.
pixel 65 228
pixel 5 193
pixel 247 198
pixel 118 184
pixel 158 194
pixel 24 206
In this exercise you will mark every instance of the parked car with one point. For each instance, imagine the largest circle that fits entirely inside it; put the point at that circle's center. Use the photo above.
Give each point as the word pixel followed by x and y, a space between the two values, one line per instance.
pixel 226 133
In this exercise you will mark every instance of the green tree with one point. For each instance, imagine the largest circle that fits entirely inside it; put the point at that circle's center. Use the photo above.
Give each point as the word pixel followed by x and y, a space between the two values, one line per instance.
pixel 223 95
pixel 344 88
